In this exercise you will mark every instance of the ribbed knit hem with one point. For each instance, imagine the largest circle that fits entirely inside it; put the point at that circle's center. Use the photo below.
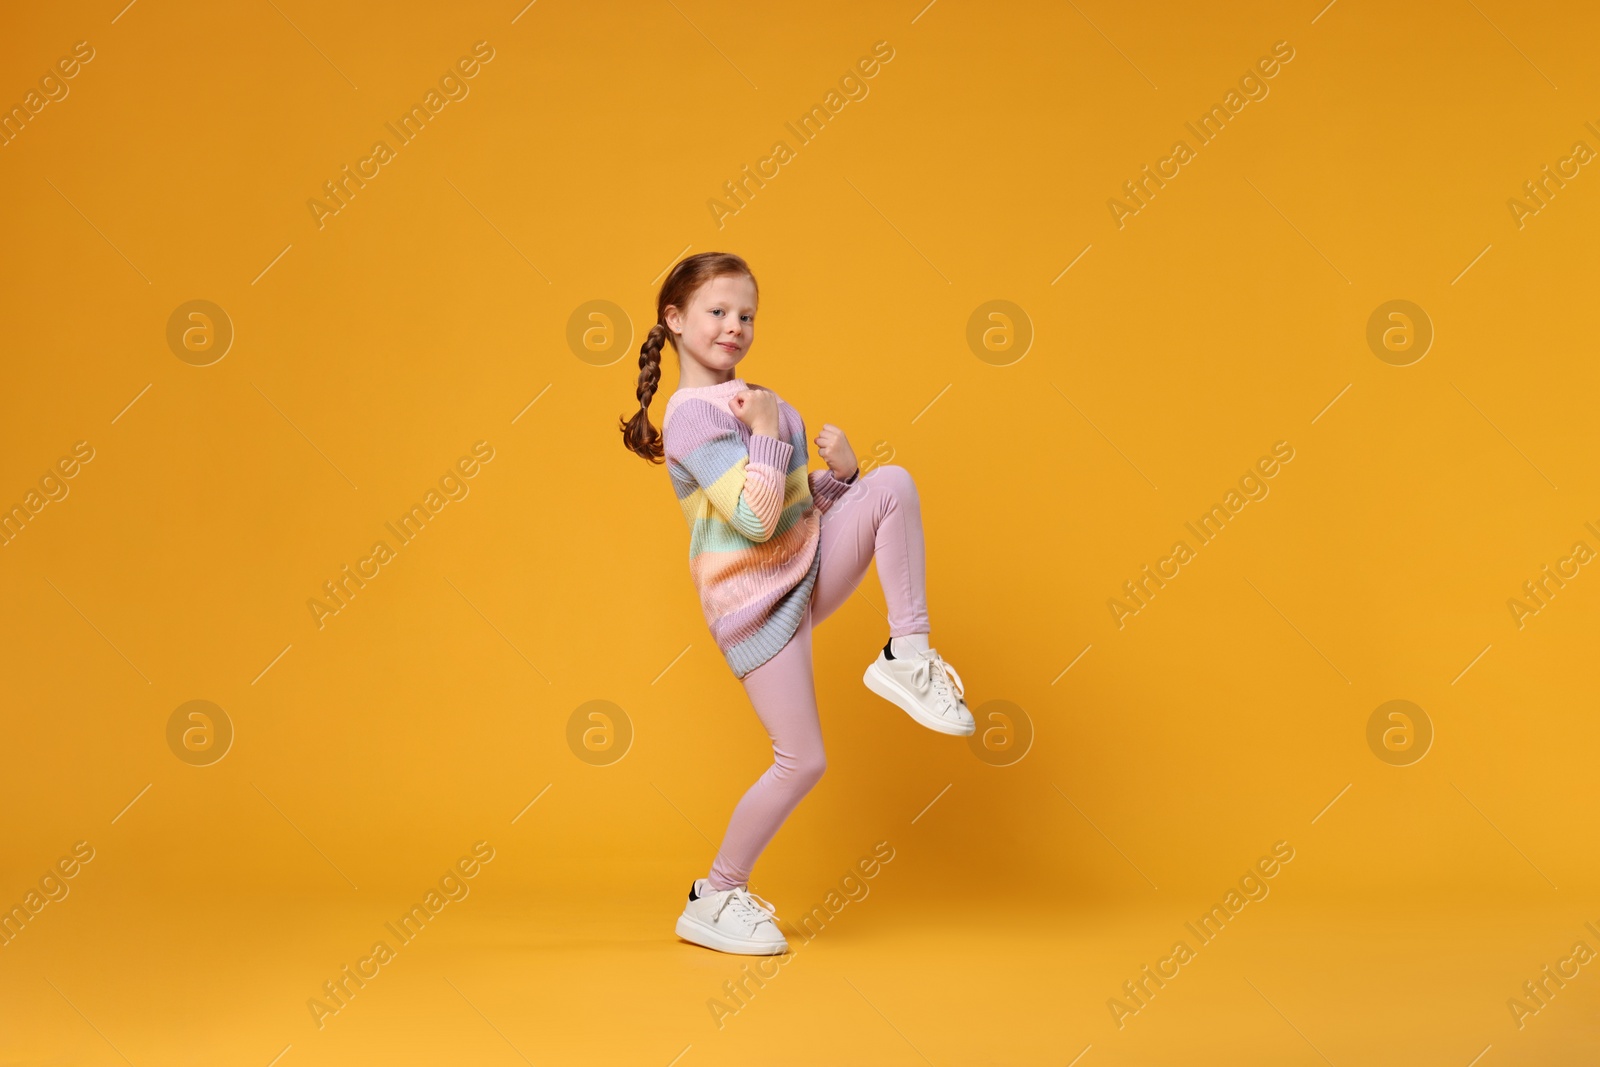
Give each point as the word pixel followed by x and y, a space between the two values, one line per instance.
pixel 825 488
pixel 786 618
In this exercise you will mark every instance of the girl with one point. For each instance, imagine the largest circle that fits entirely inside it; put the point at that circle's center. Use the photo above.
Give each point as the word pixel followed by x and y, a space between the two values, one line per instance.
pixel 773 550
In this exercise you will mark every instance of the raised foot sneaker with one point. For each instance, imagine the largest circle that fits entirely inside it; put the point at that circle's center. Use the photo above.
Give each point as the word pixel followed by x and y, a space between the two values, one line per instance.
pixel 926 688
pixel 732 920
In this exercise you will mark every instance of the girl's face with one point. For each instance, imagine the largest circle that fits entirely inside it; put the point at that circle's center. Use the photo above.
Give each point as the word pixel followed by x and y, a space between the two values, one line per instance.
pixel 720 324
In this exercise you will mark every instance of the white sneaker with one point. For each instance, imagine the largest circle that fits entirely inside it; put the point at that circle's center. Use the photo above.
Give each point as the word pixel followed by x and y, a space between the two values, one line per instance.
pixel 921 686
pixel 732 920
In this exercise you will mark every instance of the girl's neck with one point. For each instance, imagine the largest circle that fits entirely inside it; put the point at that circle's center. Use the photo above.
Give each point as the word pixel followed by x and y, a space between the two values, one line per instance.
pixel 694 376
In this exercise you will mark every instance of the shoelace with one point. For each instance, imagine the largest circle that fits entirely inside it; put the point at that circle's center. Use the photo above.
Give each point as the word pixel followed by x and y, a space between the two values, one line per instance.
pixel 932 669
pixel 751 908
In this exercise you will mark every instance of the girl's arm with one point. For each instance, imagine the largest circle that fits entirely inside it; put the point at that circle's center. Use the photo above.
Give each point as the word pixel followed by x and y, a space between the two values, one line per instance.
pixel 826 486
pixel 744 486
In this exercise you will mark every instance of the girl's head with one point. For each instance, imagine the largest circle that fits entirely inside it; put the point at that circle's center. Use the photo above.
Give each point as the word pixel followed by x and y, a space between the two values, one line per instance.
pixel 707 310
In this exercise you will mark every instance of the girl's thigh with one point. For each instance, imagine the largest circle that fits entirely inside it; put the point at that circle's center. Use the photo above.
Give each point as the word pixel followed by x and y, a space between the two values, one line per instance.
pixel 849 536
pixel 784 695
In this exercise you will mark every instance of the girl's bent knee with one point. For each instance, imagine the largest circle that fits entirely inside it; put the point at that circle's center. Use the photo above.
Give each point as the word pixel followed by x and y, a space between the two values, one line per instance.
pixel 897 479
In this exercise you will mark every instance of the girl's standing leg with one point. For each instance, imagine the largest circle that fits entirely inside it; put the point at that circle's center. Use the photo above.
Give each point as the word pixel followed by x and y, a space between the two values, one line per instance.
pixel 880 516
pixel 784 695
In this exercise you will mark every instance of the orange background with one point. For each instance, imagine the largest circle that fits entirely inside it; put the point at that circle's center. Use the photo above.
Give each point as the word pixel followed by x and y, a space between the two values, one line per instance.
pixel 433 311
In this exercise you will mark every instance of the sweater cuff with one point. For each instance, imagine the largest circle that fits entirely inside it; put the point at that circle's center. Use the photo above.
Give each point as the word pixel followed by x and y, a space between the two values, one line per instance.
pixel 826 488
pixel 771 452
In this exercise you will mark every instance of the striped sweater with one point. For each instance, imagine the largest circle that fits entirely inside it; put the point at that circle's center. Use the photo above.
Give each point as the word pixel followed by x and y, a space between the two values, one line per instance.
pixel 754 515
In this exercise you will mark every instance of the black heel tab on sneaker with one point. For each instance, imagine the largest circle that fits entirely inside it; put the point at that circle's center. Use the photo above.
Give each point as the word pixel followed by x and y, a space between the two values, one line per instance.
pixel 691 892
pixel 887 653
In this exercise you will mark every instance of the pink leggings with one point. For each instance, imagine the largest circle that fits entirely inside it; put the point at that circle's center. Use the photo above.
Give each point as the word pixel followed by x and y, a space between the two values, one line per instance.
pixel 879 517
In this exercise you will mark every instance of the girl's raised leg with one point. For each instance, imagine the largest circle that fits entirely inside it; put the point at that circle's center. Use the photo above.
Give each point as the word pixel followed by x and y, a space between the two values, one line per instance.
pixel 880 517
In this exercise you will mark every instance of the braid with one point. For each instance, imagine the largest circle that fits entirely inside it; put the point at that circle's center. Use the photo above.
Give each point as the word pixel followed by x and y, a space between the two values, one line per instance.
pixel 650 363
pixel 638 435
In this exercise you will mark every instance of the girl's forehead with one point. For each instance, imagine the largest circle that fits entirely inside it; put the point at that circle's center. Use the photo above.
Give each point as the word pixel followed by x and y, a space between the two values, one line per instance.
pixel 726 288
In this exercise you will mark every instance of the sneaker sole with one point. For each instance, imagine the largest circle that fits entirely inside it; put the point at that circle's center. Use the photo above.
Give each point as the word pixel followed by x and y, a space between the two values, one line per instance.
pixel 692 929
pixel 897 695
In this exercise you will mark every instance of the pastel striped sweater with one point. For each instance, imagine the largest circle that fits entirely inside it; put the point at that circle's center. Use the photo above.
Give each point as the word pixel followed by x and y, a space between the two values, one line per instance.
pixel 754 515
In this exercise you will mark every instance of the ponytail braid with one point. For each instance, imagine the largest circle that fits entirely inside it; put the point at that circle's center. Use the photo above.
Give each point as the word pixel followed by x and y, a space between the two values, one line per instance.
pixel 638 435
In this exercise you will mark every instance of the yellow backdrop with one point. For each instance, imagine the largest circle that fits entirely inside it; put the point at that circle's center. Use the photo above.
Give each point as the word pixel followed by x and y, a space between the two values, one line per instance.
pixel 1244 362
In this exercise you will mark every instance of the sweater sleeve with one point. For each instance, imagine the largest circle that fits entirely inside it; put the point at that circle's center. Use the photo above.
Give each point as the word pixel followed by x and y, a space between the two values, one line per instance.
pixel 826 488
pixel 744 486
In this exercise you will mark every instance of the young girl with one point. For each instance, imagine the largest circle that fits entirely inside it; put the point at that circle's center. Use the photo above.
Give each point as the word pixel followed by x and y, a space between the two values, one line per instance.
pixel 773 550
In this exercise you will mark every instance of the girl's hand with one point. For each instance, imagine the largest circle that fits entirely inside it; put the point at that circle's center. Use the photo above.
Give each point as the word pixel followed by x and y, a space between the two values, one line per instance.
pixel 757 409
pixel 834 448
